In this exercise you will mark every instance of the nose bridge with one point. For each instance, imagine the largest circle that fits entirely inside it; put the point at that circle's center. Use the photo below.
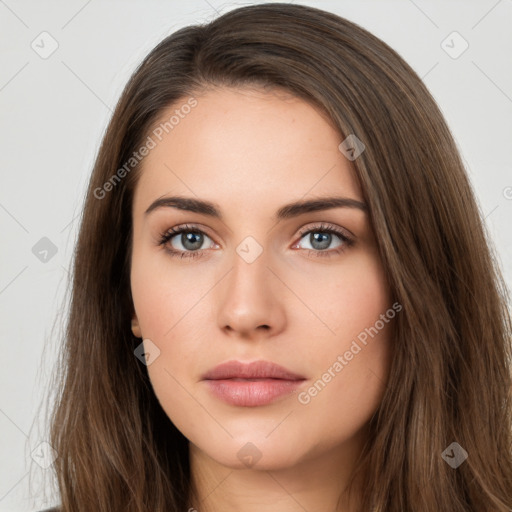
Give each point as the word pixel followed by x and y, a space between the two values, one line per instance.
pixel 249 296
pixel 250 276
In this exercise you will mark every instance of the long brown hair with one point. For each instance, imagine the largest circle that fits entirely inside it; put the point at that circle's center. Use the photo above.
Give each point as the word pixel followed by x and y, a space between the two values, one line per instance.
pixel 450 379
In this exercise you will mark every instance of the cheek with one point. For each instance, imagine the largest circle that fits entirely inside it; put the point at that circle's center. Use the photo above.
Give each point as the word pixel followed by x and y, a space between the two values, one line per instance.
pixel 170 380
pixel 167 308
pixel 164 294
pixel 363 293
pixel 352 361
pixel 346 303
pixel 349 382
pixel 171 304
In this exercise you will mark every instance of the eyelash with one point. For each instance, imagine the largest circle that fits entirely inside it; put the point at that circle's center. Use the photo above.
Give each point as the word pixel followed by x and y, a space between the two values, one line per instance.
pixel 168 235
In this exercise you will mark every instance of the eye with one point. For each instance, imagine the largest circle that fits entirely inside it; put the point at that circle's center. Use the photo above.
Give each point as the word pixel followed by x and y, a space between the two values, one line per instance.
pixel 187 241
pixel 184 241
pixel 321 237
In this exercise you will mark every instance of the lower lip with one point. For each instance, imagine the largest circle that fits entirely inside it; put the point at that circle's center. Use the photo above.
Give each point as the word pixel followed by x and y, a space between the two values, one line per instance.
pixel 252 393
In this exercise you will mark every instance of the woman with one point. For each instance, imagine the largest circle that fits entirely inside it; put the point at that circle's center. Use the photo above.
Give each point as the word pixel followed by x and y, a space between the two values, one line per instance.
pixel 283 294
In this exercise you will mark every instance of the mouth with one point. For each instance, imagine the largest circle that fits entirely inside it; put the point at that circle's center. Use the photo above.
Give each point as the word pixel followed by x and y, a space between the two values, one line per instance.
pixel 251 384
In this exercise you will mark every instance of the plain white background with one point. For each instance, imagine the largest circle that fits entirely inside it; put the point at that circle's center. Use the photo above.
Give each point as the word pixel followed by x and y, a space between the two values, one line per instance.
pixel 55 108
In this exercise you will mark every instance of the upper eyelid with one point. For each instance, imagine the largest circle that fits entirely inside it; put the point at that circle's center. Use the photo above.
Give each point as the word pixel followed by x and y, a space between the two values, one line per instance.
pixel 327 226
pixel 319 226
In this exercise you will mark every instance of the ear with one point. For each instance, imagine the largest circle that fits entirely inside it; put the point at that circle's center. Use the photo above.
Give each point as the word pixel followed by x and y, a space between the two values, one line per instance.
pixel 136 327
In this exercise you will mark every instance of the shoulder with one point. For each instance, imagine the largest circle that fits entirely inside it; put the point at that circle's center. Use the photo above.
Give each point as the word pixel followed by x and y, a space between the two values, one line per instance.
pixel 54 509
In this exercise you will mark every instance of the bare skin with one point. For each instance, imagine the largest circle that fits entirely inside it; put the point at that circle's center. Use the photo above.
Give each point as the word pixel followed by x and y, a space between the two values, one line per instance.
pixel 251 152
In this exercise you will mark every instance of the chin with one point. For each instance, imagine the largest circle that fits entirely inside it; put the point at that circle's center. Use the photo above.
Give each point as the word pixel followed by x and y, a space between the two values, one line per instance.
pixel 254 453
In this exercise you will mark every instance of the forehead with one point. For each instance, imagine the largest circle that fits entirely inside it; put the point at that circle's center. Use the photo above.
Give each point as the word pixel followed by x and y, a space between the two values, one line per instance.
pixel 245 147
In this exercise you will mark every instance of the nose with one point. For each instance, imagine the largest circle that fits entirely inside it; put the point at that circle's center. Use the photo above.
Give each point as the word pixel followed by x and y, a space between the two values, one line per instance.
pixel 250 299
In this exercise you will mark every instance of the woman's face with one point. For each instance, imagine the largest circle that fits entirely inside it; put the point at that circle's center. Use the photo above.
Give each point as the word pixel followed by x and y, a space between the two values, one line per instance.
pixel 253 279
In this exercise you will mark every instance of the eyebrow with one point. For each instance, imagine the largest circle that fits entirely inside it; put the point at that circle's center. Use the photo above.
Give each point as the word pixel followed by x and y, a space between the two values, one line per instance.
pixel 285 212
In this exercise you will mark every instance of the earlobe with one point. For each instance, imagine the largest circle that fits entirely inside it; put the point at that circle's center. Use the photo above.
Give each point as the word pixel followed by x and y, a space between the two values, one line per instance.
pixel 135 327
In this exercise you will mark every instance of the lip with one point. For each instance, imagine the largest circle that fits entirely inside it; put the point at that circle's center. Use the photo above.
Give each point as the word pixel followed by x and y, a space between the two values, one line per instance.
pixel 251 384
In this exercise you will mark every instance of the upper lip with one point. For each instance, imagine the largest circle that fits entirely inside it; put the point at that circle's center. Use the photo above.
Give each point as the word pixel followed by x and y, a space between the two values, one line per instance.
pixel 254 370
